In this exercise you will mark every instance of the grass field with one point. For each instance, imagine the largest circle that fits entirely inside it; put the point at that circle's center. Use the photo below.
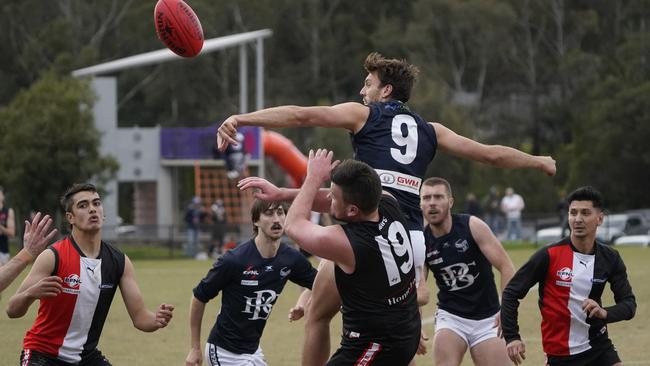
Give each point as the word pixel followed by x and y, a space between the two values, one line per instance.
pixel 172 280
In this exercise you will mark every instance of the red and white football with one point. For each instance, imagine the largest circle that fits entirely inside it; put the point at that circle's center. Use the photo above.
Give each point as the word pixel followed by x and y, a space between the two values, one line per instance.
pixel 178 27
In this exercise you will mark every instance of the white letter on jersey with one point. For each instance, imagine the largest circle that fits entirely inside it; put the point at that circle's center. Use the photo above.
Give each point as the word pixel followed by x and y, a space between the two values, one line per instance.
pixel 457 277
pixel 410 140
pixel 263 304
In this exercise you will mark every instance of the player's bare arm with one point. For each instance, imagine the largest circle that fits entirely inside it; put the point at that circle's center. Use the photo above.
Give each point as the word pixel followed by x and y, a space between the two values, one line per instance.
pixel 267 191
pixel 36 237
pixel 298 310
pixel 496 155
pixel 350 116
pixel 143 319
pixel 38 284
pixel 327 242
pixel 195 355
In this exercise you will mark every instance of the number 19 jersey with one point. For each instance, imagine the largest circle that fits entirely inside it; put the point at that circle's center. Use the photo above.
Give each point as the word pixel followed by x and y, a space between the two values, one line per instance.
pixel 379 298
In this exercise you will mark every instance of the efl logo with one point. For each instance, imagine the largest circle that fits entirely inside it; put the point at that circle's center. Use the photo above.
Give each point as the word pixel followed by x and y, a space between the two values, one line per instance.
pixel 72 281
pixel 565 274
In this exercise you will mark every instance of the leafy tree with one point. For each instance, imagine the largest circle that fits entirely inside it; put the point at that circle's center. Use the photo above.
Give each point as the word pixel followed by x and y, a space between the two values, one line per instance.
pixel 49 142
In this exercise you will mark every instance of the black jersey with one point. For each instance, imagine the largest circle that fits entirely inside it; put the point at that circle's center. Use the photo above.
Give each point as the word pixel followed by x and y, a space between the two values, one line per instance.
pixel 463 275
pixel 379 298
pixel 399 145
pixel 566 278
pixel 250 284
pixel 4 239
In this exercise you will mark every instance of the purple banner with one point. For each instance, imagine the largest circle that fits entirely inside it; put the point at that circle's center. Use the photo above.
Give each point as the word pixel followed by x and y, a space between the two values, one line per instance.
pixel 199 143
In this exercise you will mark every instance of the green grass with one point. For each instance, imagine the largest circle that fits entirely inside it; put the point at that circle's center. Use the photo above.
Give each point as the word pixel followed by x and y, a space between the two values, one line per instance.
pixel 172 281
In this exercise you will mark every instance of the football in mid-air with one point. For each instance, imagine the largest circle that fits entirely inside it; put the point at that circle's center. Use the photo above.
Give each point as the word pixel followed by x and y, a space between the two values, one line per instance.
pixel 178 27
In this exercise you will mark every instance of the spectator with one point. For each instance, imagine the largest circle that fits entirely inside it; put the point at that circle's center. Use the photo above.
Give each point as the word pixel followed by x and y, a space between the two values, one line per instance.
pixel 512 204
pixel 193 217
pixel 491 204
pixel 7 228
pixel 219 222
pixel 473 206
pixel 236 158
pixel 563 213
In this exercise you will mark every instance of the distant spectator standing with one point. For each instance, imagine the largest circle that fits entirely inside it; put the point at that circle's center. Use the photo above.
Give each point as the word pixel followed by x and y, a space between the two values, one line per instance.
pixel 491 204
pixel 219 222
pixel 473 206
pixel 193 216
pixel 7 228
pixel 236 157
pixel 563 212
pixel 512 204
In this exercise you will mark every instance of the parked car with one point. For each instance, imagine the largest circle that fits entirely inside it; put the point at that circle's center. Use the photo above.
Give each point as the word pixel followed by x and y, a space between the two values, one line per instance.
pixel 548 235
pixel 633 240
pixel 615 226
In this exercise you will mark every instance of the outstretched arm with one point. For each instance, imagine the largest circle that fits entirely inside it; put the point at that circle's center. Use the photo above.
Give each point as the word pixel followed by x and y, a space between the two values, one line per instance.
pixel 267 191
pixel 326 242
pixel 143 319
pixel 495 155
pixel 350 116
pixel 35 239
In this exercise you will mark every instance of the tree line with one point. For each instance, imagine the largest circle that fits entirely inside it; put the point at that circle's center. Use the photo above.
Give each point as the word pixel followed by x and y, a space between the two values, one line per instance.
pixel 554 77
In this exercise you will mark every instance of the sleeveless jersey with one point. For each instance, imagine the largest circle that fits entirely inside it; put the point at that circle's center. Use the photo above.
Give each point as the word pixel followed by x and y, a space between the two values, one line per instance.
pixel 399 145
pixel 251 284
pixel 4 239
pixel 463 275
pixel 68 326
pixel 379 298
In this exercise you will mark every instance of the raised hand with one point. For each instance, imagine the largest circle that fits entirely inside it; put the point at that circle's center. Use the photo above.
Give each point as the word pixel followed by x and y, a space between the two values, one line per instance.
pixel 267 190
pixel 320 164
pixel 37 234
pixel 227 133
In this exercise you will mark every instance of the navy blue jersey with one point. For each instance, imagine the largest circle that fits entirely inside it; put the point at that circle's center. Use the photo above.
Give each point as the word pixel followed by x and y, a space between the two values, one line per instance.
pixel 250 285
pixel 399 145
pixel 379 298
pixel 463 275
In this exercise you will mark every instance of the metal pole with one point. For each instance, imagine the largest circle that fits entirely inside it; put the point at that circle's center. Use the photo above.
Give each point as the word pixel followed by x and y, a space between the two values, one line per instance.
pixel 243 79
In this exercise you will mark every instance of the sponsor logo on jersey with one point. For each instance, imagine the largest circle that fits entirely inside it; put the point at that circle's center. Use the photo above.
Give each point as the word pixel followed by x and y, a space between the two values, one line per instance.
pixel 73 280
pixel 409 182
pixel 261 305
pixel 387 178
pixel 599 280
pixel 284 272
pixel 461 245
pixel 565 274
pixel 249 282
pixel 436 261
pixel 106 286
pixel 249 271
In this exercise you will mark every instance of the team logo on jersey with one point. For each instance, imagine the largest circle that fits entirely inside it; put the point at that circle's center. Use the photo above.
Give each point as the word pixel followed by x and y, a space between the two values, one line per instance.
pixel 73 281
pixel 461 245
pixel 457 276
pixel 284 272
pixel 261 305
pixel 387 178
pixel 268 269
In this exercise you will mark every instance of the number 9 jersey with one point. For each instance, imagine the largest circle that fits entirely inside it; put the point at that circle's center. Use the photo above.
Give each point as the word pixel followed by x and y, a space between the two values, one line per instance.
pixel 399 145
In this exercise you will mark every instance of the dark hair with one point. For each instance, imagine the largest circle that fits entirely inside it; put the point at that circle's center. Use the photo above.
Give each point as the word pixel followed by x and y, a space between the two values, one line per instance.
pixel 359 184
pixel 587 193
pixel 66 200
pixel 398 73
pixel 260 206
pixel 434 181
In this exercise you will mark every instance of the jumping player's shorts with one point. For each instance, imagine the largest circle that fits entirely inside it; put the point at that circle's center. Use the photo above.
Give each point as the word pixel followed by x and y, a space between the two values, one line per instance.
pixel 599 356
pixel 364 352
pixel 471 331
pixel 217 356
pixel 35 358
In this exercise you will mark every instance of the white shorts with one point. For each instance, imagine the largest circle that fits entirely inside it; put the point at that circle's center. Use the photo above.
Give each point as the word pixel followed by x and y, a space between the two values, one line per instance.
pixel 417 243
pixel 217 356
pixel 471 331
pixel 4 258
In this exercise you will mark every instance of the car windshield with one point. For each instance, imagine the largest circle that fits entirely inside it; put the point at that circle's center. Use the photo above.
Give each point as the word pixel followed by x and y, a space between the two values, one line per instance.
pixel 614 221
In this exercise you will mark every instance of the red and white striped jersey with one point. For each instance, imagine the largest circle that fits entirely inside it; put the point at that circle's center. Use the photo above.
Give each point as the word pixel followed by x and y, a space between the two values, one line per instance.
pixel 566 278
pixel 68 326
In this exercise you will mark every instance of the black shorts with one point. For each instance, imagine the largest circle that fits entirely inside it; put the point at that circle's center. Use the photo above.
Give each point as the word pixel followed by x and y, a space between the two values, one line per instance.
pixel 35 358
pixel 601 356
pixel 366 352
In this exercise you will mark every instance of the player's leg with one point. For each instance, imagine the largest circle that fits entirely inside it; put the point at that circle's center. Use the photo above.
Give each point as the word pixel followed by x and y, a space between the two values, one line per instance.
pixel 486 348
pixel 217 356
pixel 450 340
pixel 324 304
